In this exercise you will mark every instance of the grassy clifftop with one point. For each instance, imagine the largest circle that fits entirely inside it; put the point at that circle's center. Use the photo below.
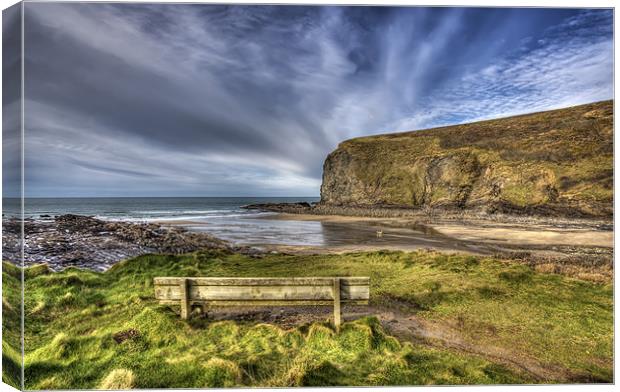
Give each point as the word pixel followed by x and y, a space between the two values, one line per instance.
pixel 558 162
pixel 105 330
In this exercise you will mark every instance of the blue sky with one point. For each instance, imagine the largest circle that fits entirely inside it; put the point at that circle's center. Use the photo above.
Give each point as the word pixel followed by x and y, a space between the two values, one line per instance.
pixel 204 100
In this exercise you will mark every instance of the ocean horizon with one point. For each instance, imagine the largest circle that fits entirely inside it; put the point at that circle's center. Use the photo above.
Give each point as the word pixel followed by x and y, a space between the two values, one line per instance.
pixel 222 217
pixel 142 208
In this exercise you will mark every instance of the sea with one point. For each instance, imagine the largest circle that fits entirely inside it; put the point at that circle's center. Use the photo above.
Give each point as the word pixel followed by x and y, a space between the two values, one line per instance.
pixel 224 218
pixel 220 216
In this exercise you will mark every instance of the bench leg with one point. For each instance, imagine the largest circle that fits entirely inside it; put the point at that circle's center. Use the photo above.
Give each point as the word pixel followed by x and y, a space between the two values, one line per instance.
pixel 337 313
pixel 185 309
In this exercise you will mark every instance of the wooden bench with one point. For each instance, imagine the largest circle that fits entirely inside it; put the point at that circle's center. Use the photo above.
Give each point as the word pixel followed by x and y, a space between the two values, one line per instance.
pixel 205 292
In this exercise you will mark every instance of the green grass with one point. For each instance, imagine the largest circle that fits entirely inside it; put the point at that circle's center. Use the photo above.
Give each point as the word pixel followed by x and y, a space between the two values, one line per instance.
pixel 72 318
pixel 11 325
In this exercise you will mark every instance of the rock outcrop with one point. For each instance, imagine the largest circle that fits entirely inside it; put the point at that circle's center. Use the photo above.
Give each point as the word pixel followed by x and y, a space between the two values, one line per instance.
pixel 85 242
pixel 556 163
pixel 298 207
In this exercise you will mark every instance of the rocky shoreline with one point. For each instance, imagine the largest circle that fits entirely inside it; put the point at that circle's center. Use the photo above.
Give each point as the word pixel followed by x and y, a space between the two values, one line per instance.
pixel 86 242
pixel 429 215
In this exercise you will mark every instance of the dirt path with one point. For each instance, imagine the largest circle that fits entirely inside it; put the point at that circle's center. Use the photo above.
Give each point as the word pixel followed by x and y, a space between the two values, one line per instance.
pixel 415 329
pixel 406 327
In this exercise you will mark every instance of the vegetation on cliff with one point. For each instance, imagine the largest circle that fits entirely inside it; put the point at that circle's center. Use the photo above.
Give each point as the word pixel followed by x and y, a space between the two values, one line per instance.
pixel 105 330
pixel 558 162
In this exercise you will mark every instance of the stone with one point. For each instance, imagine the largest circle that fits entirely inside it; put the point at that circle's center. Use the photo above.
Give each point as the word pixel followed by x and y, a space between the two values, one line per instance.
pixel 87 242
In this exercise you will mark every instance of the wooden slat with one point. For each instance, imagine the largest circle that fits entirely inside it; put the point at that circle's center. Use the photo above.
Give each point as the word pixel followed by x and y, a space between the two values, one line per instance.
pixel 251 303
pixel 309 281
pixel 262 292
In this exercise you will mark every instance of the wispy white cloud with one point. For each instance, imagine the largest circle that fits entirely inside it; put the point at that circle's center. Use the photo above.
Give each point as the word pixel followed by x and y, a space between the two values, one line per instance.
pixel 572 64
pixel 213 100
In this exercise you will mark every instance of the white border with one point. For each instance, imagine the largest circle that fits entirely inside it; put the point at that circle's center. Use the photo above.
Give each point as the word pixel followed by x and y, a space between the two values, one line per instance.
pixel 476 3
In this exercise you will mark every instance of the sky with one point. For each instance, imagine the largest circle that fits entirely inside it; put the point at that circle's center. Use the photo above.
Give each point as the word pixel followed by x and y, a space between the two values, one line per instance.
pixel 210 100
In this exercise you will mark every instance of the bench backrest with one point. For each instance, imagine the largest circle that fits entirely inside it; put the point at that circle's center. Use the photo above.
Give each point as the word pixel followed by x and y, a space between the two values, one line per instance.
pixel 261 291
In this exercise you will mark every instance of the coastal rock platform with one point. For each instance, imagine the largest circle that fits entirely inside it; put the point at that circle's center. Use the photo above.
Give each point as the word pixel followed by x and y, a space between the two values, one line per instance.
pixel 85 242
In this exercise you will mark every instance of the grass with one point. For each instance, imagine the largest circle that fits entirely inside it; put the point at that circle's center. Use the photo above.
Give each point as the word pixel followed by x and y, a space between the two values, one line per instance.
pixel 95 330
pixel 11 325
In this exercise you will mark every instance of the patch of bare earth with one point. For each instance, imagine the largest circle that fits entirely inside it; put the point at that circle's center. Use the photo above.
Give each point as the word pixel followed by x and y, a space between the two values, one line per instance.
pixel 434 334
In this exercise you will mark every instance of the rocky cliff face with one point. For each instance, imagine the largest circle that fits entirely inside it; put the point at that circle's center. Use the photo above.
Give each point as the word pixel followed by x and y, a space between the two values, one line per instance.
pixel 555 163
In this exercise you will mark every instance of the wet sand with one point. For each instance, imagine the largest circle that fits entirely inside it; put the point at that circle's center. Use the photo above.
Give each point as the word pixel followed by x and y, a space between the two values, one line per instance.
pixel 577 248
pixel 473 236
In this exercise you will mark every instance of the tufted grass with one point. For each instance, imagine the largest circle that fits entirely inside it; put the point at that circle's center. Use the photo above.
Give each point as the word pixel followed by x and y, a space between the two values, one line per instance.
pixel 72 318
pixel 11 325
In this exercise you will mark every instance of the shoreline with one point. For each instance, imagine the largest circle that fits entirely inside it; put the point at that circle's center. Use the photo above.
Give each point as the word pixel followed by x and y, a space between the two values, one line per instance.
pixel 542 234
pixel 431 215
pixel 582 249
pixel 85 242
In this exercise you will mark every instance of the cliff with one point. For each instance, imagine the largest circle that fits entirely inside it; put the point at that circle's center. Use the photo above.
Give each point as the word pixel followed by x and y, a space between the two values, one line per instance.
pixel 557 162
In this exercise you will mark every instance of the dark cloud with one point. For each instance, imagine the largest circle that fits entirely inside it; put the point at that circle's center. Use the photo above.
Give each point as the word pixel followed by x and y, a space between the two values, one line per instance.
pixel 139 99
pixel 11 101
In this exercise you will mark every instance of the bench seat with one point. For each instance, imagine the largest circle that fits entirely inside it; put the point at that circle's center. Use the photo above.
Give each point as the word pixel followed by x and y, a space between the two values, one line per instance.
pixel 208 291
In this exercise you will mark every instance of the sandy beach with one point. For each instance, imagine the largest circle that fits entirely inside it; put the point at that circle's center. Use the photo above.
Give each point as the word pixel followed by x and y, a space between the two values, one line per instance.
pixel 575 247
pixel 510 234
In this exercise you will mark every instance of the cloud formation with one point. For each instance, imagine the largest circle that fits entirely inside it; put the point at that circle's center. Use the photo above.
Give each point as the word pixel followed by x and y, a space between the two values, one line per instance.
pixel 209 100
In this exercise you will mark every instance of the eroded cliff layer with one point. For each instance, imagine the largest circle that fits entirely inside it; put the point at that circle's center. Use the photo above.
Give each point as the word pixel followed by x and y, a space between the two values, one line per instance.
pixel 558 162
